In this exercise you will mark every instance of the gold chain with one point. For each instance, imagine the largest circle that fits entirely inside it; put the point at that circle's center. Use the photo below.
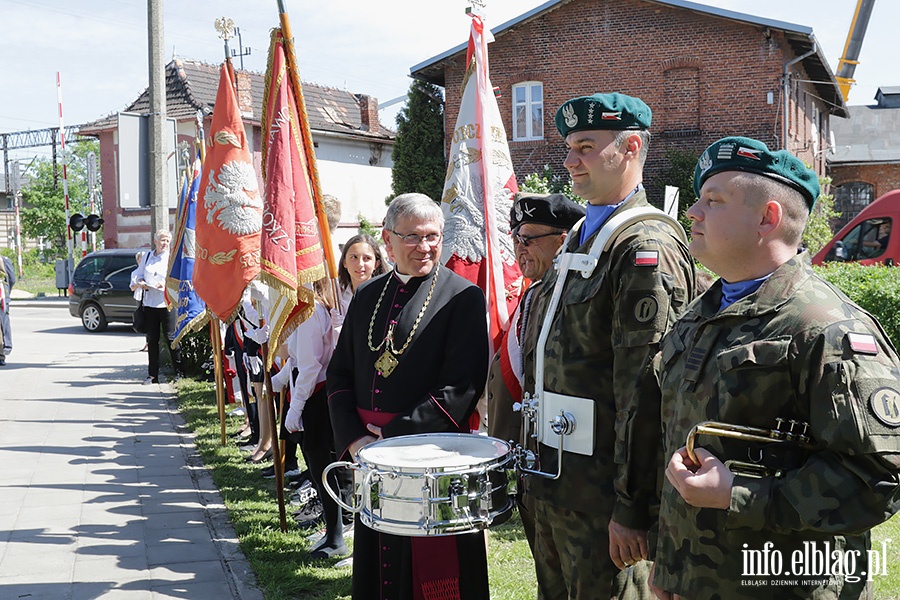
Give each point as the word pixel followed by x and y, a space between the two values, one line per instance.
pixel 389 338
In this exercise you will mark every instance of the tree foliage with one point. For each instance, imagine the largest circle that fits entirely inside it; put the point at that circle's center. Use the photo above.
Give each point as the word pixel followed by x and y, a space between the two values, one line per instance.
pixel 679 172
pixel 548 182
pixel 419 148
pixel 818 227
pixel 44 206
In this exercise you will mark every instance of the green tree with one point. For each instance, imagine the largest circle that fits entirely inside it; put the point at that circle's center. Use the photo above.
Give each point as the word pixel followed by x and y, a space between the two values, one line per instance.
pixel 548 182
pixel 419 148
pixel 44 205
pixel 818 227
pixel 679 172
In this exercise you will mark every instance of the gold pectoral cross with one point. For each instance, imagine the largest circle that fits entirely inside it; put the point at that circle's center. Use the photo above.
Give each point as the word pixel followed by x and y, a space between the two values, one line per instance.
pixel 386 363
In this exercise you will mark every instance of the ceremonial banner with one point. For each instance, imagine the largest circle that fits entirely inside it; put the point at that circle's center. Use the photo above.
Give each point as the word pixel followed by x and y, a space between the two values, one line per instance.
pixel 180 294
pixel 229 211
pixel 291 251
pixel 478 191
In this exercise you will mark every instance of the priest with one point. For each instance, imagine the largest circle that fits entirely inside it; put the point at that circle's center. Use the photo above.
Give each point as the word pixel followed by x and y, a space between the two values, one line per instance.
pixel 412 358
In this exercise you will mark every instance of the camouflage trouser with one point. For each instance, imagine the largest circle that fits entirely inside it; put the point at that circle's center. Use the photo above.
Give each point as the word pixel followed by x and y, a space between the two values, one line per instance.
pixel 572 559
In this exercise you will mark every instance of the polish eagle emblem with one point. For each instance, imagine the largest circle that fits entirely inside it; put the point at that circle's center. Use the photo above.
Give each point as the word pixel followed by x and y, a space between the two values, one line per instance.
pixel 232 197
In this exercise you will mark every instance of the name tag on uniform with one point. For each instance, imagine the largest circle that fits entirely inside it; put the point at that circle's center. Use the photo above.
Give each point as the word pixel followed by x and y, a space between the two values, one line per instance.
pixel 646 258
pixel 864 343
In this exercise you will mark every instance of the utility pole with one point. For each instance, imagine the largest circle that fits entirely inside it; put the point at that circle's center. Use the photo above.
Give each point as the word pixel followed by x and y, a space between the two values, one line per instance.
pixel 159 203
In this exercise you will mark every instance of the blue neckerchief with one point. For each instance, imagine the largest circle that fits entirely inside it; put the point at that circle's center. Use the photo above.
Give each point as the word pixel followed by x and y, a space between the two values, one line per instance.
pixel 597 214
pixel 732 292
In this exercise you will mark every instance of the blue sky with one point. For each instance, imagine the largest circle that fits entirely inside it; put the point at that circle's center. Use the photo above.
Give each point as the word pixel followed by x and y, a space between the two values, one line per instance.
pixel 100 46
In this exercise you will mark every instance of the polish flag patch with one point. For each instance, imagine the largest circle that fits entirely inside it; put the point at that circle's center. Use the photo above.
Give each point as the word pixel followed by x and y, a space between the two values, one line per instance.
pixel 863 343
pixel 647 258
pixel 611 116
pixel 748 153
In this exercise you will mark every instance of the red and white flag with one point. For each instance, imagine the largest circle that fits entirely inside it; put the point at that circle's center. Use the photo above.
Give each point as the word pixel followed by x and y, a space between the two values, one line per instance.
pixel 291 252
pixel 229 211
pixel 479 189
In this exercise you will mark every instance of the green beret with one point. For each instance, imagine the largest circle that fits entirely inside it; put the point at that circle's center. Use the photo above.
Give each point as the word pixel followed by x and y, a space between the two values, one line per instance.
pixel 752 156
pixel 602 111
pixel 555 210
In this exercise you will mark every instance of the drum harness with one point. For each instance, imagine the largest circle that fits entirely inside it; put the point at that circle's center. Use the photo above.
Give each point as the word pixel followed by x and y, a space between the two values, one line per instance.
pixel 556 420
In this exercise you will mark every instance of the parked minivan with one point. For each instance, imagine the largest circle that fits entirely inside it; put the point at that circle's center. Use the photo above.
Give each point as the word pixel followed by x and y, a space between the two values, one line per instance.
pixel 868 239
pixel 99 293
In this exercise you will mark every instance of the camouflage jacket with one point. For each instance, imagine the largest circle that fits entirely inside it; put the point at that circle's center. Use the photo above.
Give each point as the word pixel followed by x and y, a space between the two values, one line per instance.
pixel 796 349
pixel 604 330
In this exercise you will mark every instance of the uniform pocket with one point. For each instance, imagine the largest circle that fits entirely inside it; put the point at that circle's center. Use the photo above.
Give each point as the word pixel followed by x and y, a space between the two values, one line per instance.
pixel 754 383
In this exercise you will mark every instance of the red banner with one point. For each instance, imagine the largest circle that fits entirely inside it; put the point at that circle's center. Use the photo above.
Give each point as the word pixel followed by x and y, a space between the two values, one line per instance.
pixel 229 212
pixel 291 253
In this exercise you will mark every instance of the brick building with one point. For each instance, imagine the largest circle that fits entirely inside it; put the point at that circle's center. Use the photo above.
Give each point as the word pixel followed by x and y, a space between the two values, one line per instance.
pixel 865 163
pixel 705 72
pixel 353 149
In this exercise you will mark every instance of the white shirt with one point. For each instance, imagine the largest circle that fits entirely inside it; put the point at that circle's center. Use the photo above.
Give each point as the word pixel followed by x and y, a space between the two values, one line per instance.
pixel 154 269
pixel 310 347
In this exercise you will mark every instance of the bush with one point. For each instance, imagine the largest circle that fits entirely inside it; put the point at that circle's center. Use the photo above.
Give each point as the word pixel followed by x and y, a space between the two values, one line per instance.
pixel 874 288
pixel 196 354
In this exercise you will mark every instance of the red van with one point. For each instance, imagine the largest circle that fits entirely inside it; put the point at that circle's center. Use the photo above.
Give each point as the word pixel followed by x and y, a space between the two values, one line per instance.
pixel 867 238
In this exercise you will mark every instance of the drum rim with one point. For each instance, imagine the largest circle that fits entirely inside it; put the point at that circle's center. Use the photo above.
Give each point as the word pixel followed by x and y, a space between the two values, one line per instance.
pixel 386 442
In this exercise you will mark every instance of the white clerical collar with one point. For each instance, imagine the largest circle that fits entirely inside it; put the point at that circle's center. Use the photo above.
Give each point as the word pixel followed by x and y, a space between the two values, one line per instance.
pixel 401 276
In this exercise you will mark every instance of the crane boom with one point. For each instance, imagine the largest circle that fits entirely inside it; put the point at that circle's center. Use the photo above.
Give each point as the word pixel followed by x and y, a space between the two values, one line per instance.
pixel 848 61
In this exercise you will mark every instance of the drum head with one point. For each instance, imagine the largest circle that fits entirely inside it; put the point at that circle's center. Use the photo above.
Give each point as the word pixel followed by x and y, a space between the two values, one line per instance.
pixel 434 451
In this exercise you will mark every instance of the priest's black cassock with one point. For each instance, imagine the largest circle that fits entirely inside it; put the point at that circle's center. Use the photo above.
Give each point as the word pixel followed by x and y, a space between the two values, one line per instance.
pixel 433 388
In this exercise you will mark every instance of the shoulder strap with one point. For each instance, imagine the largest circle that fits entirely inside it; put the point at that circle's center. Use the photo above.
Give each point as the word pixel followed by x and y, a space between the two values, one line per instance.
pixel 586 263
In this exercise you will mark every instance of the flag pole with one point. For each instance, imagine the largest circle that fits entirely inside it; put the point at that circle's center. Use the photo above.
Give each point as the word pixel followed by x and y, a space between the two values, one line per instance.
pixel 225 27
pixel 324 229
pixel 277 445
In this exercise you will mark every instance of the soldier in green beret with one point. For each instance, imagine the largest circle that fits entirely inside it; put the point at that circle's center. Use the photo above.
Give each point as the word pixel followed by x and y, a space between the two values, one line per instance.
pixel 776 496
pixel 590 542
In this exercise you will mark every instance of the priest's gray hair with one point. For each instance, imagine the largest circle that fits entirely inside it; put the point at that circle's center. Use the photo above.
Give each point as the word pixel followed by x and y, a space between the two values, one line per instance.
pixel 418 207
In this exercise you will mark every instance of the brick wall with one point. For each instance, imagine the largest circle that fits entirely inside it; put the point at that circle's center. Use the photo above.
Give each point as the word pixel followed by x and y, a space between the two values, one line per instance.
pixel 885 177
pixel 704 77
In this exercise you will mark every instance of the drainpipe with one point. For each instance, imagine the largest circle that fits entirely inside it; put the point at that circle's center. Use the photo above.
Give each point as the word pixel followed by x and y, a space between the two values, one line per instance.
pixel 785 94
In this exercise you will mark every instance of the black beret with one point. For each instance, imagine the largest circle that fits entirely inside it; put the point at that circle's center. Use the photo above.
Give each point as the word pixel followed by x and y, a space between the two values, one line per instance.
pixel 753 156
pixel 603 111
pixel 555 210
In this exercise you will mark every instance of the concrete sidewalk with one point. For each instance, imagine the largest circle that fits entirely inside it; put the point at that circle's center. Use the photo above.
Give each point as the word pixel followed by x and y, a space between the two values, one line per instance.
pixel 102 493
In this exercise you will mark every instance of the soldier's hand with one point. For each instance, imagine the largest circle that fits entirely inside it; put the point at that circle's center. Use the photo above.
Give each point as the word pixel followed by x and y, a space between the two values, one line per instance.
pixel 626 546
pixel 705 486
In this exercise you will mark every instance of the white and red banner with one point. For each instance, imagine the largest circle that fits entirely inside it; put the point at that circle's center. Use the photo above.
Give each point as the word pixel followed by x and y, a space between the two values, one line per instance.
pixel 479 189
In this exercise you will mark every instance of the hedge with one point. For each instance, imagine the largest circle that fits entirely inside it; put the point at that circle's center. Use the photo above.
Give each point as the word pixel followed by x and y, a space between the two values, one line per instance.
pixel 875 288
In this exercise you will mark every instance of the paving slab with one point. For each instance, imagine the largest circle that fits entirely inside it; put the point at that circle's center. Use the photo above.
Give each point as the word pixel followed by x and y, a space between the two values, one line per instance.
pixel 103 494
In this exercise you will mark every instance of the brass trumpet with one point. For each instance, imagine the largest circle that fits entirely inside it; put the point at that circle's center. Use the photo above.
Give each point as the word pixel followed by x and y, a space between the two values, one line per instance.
pixel 786 431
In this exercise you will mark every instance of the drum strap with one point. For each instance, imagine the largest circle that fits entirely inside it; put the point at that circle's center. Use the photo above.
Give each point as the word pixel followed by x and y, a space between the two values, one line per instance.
pixel 435 567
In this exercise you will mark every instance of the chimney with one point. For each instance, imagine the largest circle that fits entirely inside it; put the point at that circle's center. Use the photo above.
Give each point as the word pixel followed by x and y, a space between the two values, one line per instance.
pixel 244 93
pixel 368 112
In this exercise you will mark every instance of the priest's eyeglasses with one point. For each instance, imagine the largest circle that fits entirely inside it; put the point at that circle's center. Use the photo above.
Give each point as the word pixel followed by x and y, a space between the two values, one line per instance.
pixel 414 239
pixel 527 239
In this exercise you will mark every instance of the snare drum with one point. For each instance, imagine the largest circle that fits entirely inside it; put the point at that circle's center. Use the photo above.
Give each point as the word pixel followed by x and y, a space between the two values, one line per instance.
pixel 430 484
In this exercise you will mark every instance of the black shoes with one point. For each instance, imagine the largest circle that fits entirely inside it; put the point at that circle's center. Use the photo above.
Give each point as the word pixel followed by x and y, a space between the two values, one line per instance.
pixel 310 514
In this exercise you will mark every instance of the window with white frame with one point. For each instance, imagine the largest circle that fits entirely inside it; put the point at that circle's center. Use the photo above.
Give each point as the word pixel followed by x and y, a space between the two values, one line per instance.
pixel 528 111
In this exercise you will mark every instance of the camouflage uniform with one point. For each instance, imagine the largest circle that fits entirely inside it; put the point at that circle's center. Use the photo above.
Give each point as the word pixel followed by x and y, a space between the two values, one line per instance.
pixel 798 349
pixel 606 327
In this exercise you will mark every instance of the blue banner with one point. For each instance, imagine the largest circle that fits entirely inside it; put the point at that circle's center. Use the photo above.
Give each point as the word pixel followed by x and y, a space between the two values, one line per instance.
pixel 180 294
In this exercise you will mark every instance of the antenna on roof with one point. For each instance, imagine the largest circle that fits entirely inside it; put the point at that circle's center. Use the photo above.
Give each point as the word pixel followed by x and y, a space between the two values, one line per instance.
pixel 241 51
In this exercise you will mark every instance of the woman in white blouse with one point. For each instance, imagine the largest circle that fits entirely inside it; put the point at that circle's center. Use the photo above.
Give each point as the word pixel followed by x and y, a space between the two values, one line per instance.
pixel 150 278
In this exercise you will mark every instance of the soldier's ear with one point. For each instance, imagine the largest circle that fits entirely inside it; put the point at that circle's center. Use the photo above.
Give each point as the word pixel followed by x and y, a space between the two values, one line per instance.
pixel 771 217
